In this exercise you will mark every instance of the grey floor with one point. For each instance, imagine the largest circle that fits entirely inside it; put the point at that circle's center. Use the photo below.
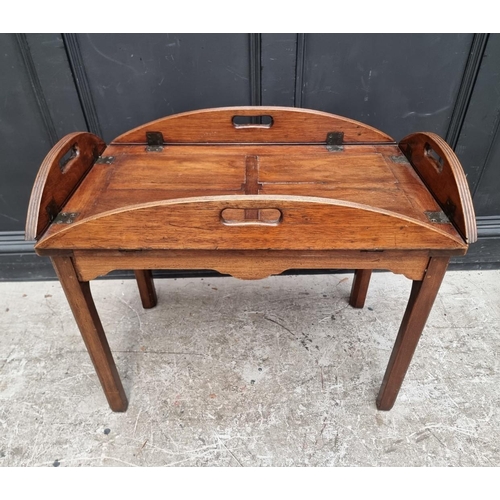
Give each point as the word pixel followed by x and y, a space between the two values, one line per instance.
pixel 275 372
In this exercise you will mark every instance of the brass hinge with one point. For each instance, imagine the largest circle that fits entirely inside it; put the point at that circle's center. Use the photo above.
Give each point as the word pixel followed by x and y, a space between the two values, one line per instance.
pixel 335 141
pixel 400 159
pixel 66 218
pixel 105 160
pixel 56 217
pixel 155 142
pixel 437 217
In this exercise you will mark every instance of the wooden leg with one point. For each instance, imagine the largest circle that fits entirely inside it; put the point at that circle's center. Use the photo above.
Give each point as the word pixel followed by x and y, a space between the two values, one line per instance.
pixel 146 288
pixel 419 306
pixel 83 307
pixel 360 287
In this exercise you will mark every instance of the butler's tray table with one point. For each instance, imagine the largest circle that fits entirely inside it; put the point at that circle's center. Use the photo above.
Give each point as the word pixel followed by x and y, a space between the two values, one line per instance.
pixel 251 192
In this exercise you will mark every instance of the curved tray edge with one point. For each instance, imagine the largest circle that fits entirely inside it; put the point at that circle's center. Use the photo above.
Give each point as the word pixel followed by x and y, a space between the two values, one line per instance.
pixel 56 181
pixel 289 125
pixel 308 223
pixel 444 178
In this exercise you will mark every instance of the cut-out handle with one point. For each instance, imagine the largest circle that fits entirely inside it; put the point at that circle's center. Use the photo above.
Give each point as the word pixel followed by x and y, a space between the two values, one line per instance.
pixel 61 172
pixel 440 169
pixel 252 121
pixel 67 159
pixel 436 160
pixel 251 216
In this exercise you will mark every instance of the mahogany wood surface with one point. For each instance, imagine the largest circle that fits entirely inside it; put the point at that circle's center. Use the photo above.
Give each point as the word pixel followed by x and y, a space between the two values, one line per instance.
pixel 56 181
pixel 248 264
pixel 440 169
pixel 83 307
pixel 307 223
pixel 288 125
pixel 147 289
pixel 252 200
pixel 360 288
pixel 419 306
pixel 362 174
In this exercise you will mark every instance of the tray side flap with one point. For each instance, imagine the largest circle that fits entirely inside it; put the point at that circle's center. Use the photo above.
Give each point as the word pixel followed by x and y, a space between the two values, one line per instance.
pixel 249 222
pixel 253 124
pixel 61 172
pixel 441 171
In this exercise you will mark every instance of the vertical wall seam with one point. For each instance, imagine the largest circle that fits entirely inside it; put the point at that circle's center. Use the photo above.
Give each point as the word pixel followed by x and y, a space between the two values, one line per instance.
pixel 82 84
pixel 299 70
pixel 36 85
pixel 471 71
pixel 488 153
pixel 255 69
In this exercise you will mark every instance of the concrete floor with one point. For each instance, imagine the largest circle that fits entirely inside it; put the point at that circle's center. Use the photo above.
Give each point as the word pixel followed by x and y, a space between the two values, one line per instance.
pixel 275 372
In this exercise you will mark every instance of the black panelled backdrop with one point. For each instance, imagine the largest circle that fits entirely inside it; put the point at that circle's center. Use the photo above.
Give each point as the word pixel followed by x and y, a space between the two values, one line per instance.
pixel 53 84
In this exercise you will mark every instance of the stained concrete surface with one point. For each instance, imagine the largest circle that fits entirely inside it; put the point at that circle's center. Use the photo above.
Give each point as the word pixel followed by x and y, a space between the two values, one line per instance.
pixel 277 372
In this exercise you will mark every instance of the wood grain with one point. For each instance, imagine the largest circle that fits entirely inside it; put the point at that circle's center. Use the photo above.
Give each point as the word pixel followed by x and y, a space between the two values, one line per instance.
pixel 361 174
pixel 290 125
pixel 83 307
pixel 423 294
pixel 55 184
pixel 252 201
pixel 195 223
pixel 146 286
pixel 360 288
pixel 445 179
pixel 249 264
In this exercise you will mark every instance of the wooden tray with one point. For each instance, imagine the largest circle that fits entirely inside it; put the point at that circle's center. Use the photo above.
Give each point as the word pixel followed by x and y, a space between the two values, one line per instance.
pixel 251 192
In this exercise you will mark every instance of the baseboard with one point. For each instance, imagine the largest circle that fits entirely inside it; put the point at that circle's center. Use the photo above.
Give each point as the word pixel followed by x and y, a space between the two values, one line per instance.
pixel 488 226
pixel 13 242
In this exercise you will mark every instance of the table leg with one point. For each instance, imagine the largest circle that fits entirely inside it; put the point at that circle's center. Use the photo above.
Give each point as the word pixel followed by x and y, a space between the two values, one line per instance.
pixel 146 288
pixel 419 306
pixel 80 300
pixel 360 287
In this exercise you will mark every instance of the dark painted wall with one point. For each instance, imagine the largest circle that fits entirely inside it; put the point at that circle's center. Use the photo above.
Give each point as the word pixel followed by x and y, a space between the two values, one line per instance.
pixel 134 79
pixel 52 84
pixel 398 83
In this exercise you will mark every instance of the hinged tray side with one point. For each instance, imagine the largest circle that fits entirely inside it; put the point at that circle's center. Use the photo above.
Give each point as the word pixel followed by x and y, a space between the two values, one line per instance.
pixel 61 172
pixel 209 223
pixel 254 124
pixel 441 171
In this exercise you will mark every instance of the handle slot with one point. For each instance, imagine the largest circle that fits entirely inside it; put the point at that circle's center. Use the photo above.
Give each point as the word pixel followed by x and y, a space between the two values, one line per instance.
pixel 436 160
pixel 66 160
pixel 251 216
pixel 252 121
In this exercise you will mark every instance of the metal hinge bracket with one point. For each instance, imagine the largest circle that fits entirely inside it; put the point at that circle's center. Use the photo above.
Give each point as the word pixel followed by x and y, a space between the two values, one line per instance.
pixel 334 141
pixel 155 142
pixel 437 217
pixel 105 160
pixel 400 159
pixel 66 218
pixel 52 209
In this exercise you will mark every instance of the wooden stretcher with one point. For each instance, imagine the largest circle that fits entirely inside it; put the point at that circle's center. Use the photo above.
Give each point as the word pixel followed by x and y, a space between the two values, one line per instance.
pixel 251 192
